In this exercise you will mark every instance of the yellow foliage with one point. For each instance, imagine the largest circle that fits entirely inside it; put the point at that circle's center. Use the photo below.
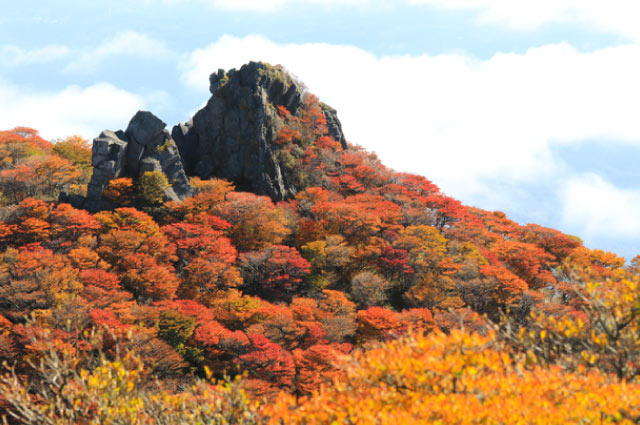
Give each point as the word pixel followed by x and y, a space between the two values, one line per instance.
pixel 459 378
pixel 603 332
pixel 114 393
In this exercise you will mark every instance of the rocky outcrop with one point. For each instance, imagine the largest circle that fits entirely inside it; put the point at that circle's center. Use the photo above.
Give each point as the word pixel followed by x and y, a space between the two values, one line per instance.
pixel 333 124
pixel 108 161
pixel 232 137
pixel 151 148
pixel 144 146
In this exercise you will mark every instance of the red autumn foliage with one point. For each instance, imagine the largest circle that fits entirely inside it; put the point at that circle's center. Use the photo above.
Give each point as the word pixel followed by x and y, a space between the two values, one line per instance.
pixel 280 292
pixel 275 272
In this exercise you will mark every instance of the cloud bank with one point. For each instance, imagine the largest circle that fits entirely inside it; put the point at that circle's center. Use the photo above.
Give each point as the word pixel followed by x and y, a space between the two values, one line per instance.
pixel 596 206
pixel 269 5
pixel 129 43
pixel 81 110
pixel 613 16
pixel 15 56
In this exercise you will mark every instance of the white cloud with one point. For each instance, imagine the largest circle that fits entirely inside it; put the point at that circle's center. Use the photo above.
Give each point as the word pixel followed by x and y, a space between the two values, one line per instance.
pixel 74 110
pixel 15 56
pixel 598 209
pixel 459 121
pixel 130 43
pixel 125 43
pixel 615 16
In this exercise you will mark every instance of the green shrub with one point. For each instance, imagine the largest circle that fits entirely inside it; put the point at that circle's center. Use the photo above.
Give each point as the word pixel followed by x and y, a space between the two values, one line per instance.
pixel 151 186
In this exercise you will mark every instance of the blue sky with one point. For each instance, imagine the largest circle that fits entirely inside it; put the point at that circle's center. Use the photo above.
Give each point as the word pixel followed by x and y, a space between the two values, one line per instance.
pixel 526 107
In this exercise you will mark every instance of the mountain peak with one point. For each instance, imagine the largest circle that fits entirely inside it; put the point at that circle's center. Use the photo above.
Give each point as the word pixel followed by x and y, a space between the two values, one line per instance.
pixel 252 131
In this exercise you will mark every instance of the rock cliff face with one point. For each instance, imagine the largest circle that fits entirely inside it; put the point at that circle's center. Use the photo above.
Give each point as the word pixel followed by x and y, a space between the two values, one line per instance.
pixel 333 124
pixel 234 134
pixel 232 137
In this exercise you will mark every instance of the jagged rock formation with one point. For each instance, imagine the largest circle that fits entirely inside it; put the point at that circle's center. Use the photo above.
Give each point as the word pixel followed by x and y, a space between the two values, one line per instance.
pixel 144 146
pixel 232 137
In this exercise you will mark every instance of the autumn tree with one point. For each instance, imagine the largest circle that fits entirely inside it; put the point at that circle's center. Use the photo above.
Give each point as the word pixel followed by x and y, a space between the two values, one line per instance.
pixel 369 289
pixel 205 260
pixel 256 221
pixel 35 278
pixel 42 176
pixel 601 332
pixel 120 191
pixel 20 143
pixel 331 260
pixel 270 367
pixel 318 365
pixel 275 272
pixel 75 149
pixel 132 243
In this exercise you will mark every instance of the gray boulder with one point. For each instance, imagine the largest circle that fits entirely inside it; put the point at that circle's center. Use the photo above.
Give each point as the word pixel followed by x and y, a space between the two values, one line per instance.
pixel 108 160
pixel 150 144
pixel 144 146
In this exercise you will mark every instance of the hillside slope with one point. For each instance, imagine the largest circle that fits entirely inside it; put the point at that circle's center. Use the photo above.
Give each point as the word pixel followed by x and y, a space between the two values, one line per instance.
pixel 254 240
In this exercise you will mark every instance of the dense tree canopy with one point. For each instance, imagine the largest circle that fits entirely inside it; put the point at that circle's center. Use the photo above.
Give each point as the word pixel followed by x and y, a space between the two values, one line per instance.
pixel 483 320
